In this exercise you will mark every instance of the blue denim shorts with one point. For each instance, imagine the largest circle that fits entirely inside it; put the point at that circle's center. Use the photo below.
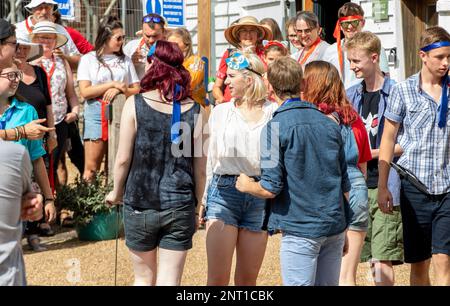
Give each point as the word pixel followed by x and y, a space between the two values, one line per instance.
pixel 92 120
pixel 170 229
pixel 359 205
pixel 226 203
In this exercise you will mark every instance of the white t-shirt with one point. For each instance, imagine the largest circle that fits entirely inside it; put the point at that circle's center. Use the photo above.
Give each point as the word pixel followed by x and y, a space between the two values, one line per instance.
pixel 349 77
pixel 121 70
pixel 69 48
pixel 316 55
pixel 130 48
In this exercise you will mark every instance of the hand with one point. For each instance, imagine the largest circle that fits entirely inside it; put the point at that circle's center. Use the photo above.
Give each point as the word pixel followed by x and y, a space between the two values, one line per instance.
pixel 50 211
pixel 113 199
pixel 58 52
pixel 200 220
pixel 137 57
pixel 242 182
pixel 52 143
pixel 35 130
pixel 345 249
pixel 71 117
pixel 110 94
pixel 120 86
pixel 31 208
pixel 385 200
pixel 220 100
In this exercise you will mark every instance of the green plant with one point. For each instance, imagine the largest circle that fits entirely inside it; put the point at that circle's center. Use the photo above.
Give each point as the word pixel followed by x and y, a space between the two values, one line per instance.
pixel 85 199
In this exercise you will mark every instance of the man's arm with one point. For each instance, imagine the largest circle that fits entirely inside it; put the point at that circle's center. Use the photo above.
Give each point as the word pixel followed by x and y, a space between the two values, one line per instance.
pixel 387 147
pixel 248 185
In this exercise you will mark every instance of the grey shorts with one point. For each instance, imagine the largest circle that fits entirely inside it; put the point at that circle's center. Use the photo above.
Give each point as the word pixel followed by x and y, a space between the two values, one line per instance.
pixel 170 229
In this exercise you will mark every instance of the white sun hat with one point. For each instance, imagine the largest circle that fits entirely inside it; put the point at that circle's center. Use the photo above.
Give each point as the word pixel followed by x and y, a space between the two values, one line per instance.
pixel 48 27
pixel 36 3
pixel 36 50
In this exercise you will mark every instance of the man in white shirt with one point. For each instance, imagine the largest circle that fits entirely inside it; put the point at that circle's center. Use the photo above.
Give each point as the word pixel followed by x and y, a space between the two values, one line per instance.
pixel 42 10
pixel 351 21
pixel 153 29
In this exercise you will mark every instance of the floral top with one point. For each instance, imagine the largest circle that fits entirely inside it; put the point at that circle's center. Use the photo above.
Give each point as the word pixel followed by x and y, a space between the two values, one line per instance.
pixel 58 82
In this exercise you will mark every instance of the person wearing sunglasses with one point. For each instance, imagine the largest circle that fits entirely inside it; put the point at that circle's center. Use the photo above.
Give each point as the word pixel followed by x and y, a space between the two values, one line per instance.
pixel 350 21
pixel 102 75
pixel 42 10
pixel 308 33
pixel 153 29
pixel 14 114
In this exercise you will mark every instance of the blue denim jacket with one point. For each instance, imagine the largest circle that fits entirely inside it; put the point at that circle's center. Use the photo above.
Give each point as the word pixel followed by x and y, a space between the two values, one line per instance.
pixel 355 95
pixel 303 163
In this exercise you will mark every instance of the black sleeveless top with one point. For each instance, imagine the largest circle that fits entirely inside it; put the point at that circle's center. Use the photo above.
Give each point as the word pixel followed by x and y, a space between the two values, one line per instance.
pixel 158 178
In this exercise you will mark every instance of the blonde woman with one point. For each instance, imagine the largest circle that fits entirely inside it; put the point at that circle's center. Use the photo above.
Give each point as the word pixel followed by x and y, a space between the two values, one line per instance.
pixel 234 219
pixel 192 62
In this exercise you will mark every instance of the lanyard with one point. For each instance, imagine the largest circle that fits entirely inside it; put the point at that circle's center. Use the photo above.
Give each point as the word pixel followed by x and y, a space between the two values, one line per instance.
pixel 444 102
pixel 310 51
pixel 27 25
pixel 7 118
pixel 290 101
pixel 49 75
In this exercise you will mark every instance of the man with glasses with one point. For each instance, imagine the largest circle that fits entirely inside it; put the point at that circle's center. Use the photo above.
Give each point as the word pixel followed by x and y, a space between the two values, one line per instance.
pixel 8 47
pixel 350 21
pixel 42 10
pixel 153 29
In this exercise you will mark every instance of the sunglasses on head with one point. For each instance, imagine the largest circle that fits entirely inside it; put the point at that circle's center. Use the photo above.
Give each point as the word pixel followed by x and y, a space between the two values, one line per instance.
pixel 154 19
pixel 353 23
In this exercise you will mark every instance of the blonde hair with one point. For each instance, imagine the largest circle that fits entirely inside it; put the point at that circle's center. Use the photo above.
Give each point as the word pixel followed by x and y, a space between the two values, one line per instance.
pixel 257 91
pixel 366 41
pixel 185 36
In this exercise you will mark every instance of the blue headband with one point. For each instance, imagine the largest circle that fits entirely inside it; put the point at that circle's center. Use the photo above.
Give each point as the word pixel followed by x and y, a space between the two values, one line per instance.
pixel 238 62
pixel 436 45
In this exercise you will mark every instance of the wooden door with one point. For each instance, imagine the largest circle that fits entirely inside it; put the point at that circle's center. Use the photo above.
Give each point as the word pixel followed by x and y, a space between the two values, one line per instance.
pixel 417 16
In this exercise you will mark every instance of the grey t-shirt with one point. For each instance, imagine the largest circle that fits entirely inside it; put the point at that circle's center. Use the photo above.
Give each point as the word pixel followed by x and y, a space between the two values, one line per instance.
pixel 15 181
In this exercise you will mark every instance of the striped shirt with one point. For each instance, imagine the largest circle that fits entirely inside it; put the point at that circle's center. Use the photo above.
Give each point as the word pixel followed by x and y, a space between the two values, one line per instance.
pixel 426 146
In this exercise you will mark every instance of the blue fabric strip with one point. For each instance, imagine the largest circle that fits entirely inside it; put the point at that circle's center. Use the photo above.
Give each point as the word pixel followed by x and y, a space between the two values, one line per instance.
pixel 444 102
pixel 176 117
pixel 436 45
pixel 7 118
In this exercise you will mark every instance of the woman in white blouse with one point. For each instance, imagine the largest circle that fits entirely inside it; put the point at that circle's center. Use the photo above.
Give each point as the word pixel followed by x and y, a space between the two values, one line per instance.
pixel 235 219
pixel 102 75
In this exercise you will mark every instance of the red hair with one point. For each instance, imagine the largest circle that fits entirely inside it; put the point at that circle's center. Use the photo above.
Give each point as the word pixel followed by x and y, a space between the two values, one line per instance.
pixel 166 71
pixel 324 88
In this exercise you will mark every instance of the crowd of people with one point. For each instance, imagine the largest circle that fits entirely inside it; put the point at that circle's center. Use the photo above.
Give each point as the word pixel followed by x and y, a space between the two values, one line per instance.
pixel 310 140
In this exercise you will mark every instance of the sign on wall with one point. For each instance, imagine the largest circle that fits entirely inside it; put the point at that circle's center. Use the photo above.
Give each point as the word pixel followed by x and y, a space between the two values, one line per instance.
pixel 380 10
pixel 67 9
pixel 174 11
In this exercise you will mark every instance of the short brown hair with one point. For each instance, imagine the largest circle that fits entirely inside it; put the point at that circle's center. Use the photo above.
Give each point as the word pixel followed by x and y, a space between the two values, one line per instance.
pixel 432 35
pixel 350 9
pixel 285 75
pixel 366 41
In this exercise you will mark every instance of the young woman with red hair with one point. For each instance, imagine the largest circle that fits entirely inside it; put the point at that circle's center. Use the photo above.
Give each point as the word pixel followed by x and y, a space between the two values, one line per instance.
pixel 160 168
pixel 324 88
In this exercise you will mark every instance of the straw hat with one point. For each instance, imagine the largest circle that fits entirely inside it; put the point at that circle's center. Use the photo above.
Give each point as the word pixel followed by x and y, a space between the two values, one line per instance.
pixel 36 50
pixel 231 32
pixel 35 3
pixel 48 27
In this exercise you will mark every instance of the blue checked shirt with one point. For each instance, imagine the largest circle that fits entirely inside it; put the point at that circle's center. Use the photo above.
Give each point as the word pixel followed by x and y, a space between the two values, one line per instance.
pixel 426 146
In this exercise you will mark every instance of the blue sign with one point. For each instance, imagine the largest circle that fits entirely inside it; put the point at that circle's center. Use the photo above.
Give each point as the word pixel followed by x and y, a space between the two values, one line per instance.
pixel 66 8
pixel 174 11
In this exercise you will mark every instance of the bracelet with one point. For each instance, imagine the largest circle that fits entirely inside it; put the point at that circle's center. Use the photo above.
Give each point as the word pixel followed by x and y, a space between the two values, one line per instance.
pixel 49 200
pixel 16 136
pixel 24 132
pixel 6 135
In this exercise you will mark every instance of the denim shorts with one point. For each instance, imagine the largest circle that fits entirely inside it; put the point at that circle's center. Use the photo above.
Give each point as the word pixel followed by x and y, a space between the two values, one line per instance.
pixel 92 120
pixel 170 229
pixel 359 205
pixel 226 203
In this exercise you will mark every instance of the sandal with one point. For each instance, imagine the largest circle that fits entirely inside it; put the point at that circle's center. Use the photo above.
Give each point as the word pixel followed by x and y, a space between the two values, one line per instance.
pixel 46 230
pixel 66 218
pixel 34 242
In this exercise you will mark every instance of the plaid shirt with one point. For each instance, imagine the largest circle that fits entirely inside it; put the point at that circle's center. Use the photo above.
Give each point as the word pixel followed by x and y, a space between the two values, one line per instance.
pixel 426 146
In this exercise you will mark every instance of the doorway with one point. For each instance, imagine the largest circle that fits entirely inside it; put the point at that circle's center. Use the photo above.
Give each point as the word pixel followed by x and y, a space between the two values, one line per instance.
pixel 417 16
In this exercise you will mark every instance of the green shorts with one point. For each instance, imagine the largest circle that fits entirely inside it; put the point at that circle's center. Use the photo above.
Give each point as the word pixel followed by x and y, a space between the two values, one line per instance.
pixel 384 239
